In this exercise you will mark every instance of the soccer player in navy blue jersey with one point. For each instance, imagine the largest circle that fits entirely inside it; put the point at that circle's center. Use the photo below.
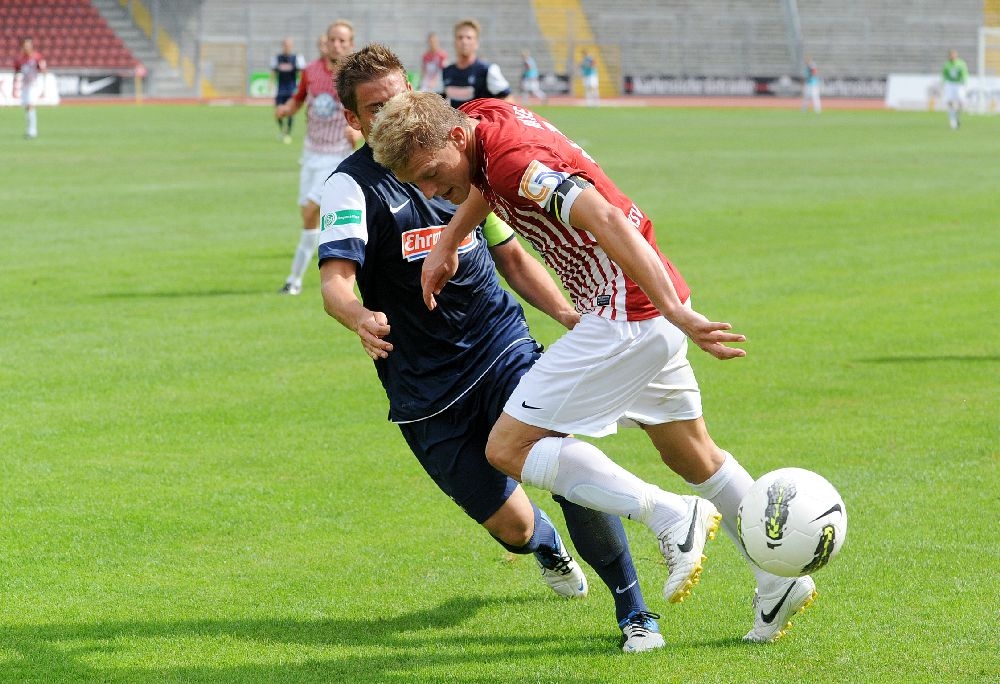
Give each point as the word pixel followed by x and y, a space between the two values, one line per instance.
pixel 447 373
pixel 469 77
pixel 286 66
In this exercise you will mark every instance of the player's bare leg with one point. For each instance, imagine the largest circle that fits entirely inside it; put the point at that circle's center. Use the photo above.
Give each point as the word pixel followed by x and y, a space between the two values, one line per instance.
pixel 521 527
pixel 580 472
pixel 687 448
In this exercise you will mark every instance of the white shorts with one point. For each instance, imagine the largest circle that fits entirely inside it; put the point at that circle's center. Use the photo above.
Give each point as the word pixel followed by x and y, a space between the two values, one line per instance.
pixel 954 92
pixel 29 93
pixel 603 374
pixel 316 168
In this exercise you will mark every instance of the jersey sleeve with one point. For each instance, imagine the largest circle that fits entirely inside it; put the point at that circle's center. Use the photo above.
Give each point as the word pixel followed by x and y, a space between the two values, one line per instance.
pixel 343 220
pixel 300 62
pixel 541 176
pixel 496 83
pixel 303 89
pixel 495 231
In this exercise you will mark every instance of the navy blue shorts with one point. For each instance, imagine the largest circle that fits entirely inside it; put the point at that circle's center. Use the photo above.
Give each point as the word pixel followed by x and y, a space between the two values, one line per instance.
pixel 281 98
pixel 451 446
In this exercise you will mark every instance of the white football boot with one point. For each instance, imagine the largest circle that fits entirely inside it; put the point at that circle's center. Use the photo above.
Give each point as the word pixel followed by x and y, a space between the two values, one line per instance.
pixel 774 609
pixel 641 632
pixel 561 572
pixel 682 546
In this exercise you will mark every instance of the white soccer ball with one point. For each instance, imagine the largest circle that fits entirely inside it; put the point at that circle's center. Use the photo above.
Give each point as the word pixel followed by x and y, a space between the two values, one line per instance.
pixel 792 522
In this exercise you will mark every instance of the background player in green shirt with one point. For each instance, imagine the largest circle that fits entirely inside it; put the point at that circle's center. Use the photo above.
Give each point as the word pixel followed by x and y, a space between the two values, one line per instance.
pixel 955 74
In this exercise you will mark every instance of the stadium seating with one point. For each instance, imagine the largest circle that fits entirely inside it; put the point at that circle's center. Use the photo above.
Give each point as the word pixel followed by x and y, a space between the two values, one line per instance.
pixel 70 33
pixel 226 40
pixel 849 39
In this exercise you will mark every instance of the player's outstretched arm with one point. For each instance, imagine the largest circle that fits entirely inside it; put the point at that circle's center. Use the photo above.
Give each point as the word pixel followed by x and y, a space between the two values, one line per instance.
pixel 337 277
pixel 442 261
pixel 624 244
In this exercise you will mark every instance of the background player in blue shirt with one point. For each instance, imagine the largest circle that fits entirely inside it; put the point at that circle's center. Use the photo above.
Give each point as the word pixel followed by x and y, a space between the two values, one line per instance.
pixel 811 86
pixel 469 77
pixel 447 373
pixel 286 66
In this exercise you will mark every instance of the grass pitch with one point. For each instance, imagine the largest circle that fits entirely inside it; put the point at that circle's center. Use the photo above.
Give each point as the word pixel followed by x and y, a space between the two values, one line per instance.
pixel 198 482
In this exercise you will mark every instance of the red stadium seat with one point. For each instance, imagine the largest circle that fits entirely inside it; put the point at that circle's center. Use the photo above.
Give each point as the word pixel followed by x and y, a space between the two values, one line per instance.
pixel 70 33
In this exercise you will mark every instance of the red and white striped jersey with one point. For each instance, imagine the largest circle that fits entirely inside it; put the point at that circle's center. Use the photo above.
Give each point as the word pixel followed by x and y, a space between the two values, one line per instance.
pixel 522 158
pixel 29 66
pixel 326 128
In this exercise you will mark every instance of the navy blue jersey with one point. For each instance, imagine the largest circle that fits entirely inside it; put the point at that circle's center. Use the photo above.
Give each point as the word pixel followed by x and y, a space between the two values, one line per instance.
pixel 286 68
pixel 387 228
pixel 479 79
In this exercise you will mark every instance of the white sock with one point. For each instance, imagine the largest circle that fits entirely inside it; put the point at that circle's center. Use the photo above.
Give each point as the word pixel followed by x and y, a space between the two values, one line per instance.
pixel 303 254
pixel 725 489
pixel 583 474
pixel 32 117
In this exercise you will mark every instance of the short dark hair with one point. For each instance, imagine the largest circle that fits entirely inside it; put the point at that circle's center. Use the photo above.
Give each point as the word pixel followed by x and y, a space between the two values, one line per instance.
pixel 370 63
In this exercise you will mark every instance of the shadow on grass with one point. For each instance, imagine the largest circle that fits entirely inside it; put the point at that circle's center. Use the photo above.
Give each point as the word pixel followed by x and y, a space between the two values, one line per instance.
pixel 174 294
pixel 962 358
pixel 387 649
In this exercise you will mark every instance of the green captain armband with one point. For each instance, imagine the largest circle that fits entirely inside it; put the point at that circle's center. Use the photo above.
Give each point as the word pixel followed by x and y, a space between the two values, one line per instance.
pixel 496 231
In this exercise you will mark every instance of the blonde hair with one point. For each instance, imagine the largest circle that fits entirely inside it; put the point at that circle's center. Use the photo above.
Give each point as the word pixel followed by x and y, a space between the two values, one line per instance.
pixel 410 122
pixel 341 22
pixel 471 23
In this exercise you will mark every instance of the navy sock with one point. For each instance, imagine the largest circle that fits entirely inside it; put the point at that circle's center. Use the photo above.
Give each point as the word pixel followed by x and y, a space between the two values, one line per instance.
pixel 600 541
pixel 543 539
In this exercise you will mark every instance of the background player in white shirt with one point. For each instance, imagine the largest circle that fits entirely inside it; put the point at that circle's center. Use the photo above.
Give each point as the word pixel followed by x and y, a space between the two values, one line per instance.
pixel 30 65
pixel 328 141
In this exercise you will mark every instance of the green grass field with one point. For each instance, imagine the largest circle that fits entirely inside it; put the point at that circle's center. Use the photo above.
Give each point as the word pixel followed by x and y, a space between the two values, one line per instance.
pixel 198 482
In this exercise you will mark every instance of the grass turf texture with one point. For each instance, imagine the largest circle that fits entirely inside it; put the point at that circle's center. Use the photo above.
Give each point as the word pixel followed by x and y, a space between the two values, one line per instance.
pixel 198 482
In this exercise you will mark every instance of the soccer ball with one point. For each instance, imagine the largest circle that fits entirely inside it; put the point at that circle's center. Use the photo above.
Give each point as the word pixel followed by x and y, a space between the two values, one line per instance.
pixel 792 522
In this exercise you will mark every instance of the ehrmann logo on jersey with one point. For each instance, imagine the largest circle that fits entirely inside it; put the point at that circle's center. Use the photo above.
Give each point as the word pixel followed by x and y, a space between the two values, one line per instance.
pixel 418 243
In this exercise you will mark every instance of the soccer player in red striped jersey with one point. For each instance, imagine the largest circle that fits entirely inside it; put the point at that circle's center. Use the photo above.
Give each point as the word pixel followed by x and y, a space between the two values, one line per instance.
pixel 624 364
pixel 328 141
pixel 30 65
pixel 447 373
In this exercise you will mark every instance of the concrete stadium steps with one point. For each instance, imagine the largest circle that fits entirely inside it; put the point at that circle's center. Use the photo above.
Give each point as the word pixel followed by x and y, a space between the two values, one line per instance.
pixel 402 25
pixel 567 30
pixel 727 38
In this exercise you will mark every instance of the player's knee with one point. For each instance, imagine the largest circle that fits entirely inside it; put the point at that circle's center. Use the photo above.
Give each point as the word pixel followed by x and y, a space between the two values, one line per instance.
pixel 497 453
pixel 508 446
pixel 515 535
pixel 511 528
